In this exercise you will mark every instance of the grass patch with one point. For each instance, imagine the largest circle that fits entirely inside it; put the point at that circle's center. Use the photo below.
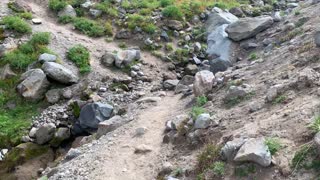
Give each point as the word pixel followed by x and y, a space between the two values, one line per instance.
pixel 25 15
pixel 144 22
pixel 201 100
pixel 280 99
pixel 273 144
pixel 196 111
pixel 253 56
pixel 81 57
pixel 244 170
pixel 315 125
pixel 207 160
pixel 304 157
pixel 89 27
pixel 172 12
pixel 16 24
pixel 65 19
pixel 218 168
pixel 57 5
pixel 237 100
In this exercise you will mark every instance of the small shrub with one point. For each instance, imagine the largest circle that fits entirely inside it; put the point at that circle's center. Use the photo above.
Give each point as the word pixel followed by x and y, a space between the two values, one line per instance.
pixel 280 99
pixel 125 4
pixel 25 15
pixel 196 111
pixel 40 38
pixel 108 28
pixel 89 27
pixel 302 156
pixel 57 5
pixel 207 157
pixel 165 3
pixel 172 12
pixel 201 100
pixel 122 45
pixel 218 168
pixel 149 28
pixel 297 13
pixel 253 56
pixel 16 24
pixel 65 19
pixel 273 145
pixel 169 47
pixel 315 125
pixel 80 56
pixel 244 170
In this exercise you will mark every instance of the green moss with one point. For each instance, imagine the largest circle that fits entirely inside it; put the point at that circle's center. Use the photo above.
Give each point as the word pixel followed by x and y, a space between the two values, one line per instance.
pixel 81 57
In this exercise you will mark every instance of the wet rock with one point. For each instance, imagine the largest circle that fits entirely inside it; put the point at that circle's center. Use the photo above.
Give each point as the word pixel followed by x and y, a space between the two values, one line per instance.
pixel 108 59
pixel 254 150
pixel 203 82
pixel 6 72
pixel 45 133
pixel 230 149
pixel 68 11
pixel 59 73
pixel 53 96
pixel 110 125
pixel 33 84
pixel 248 27
pixel 45 57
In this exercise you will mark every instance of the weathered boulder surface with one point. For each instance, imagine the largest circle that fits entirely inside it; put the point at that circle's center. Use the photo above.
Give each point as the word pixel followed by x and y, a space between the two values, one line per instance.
pixel 125 57
pixel 248 27
pixel 203 82
pixel 110 125
pixel 219 17
pixel 45 57
pixel 45 133
pixel 59 73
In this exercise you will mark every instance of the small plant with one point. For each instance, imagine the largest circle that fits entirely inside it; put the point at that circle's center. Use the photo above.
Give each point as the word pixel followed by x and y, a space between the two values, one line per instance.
pixel 122 45
pixel 89 27
pixel 280 99
pixel 201 100
pixel 65 19
pixel 301 157
pixel 149 28
pixel 236 100
pixel 273 145
pixel 245 170
pixel 57 5
pixel 218 168
pixel 207 157
pixel 169 47
pixel 297 13
pixel 25 15
pixel 196 111
pixel 172 12
pixel 16 24
pixel 253 56
pixel 108 28
pixel 315 125
pixel 165 3
pixel 81 57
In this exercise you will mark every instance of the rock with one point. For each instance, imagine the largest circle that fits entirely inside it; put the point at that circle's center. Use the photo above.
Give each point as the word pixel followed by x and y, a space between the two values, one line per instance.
pixel 32 132
pixel 220 48
pixel 148 42
pixel 53 96
pixel 164 36
pixel 230 149
pixel 177 122
pixel 197 47
pixel 67 93
pixel 316 140
pixel 149 100
pixel 315 1
pixel 59 73
pixel 45 133
pixel 237 11
pixel 142 149
pixel 236 92
pixel 170 84
pixel 95 12
pixel 92 114
pixel 68 11
pixel 45 57
pixel 317 38
pixel 255 106
pixel 6 72
pixel 175 25
pixel 219 17
pixel 257 3
pixel 307 77
pixel 187 80
pixel 203 121
pixel 109 125
pixel 36 21
pixel 21 6
pixel 108 59
pixel 254 150
pixel 61 135
pixel 292 5
pixel 273 93
pixel 87 4
pixel 123 34
pixel 33 84
pixel 73 153
pixel 248 45
pixel 191 69
pixel 203 82
pixel 248 27
pixel 125 57
pixel 277 16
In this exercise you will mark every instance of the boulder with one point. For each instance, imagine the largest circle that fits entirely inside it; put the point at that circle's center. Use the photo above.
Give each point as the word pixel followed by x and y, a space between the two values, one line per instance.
pixel 36 21
pixel 123 34
pixel 254 150
pixel 230 149
pixel 191 69
pixel 177 122
pixel 45 57
pixel 235 92
pixel 53 96
pixel 108 59
pixel 125 57
pixel 170 84
pixel 219 17
pixel 33 84
pixel 6 72
pixel 45 133
pixel 237 11
pixel 203 121
pixel 248 27
pixel 92 114
pixel 62 134
pixel 175 25
pixel 68 11
pixel 59 73
pixel 203 82
pixel 109 125
pixel 95 12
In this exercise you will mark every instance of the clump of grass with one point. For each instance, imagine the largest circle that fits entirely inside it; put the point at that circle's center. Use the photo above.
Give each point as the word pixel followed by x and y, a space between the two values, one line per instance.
pixel 196 111
pixel 207 160
pixel 315 125
pixel 172 12
pixel 169 47
pixel 244 170
pixel 89 27
pixel 25 15
pixel 145 23
pixel 81 57
pixel 65 19
pixel 218 168
pixel 57 5
pixel 302 156
pixel 297 13
pixel 280 99
pixel 16 24
pixel 234 101
pixel 201 100
pixel 107 8
pixel 253 56
pixel 108 28
pixel 165 3
pixel 273 144
pixel 122 45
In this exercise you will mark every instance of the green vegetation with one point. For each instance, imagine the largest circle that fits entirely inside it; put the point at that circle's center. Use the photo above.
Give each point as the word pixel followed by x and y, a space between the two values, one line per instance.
pixel 65 19
pixel 234 101
pixel 16 24
pixel 245 170
pixel 28 52
pixel 218 168
pixel 280 99
pixel 315 125
pixel 25 15
pixel 305 157
pixel 108 28
pixel 89 27
pixel 253 56
pixel 57 5
pixel 201 100
pixel 172 12
pixel 273 144
pixel 144 22
pixel 196 111
pixel 169 47
pixel 208 160
pixel 122 45
pixel 81 57
pixel 296 13
pixel 165 3
pixel 107 8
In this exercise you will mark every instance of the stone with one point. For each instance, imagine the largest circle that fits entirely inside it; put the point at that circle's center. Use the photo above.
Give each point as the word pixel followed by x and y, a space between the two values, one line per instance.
pixel 315 1
pixel 203 82
pixel 33 85
pixel 53 96
pixel 292 5
pixel 316 140
pixel 170 84
pixel 73 153
pixel 219 17
pixel 230 149
pixel 176 122
pixel 36 21
pixel 142 149
pixel 67 93
pixel 59 73
pixel 92 114
pixel 95 12
pixel 87 4
pixel 191 69
pixel 109 125
pixel 123 34
pixel 45 133
pixel 197 47
pixel 187 80
pixel 237 11
pixel 61 135
pixel 68 11
pixel 317 38
pixel 21 6
pixel 6 72
pixel 32 132
pixel 149 100
pixel 203 121
pixel 254 150
pixel 277 16
pixel 248 27
pixel 108 59
pixel 125 57
pixel 235 92
pixel 175 25
pixel 164 36
pixel 45 57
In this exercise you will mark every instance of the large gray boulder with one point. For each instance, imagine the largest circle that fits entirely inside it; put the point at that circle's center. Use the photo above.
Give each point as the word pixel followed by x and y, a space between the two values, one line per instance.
pixel 33 85
pixel 59 73
pixel 254 150
pixel 110 125
pixel 219 17
pixel 108 59
pixel 45 133
pixel 68 11
pixel 92 114
pixel 203 82
pixel 230 149
pixel 203 121
pixel 248 27
pixel 46 57
pixel 125 57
